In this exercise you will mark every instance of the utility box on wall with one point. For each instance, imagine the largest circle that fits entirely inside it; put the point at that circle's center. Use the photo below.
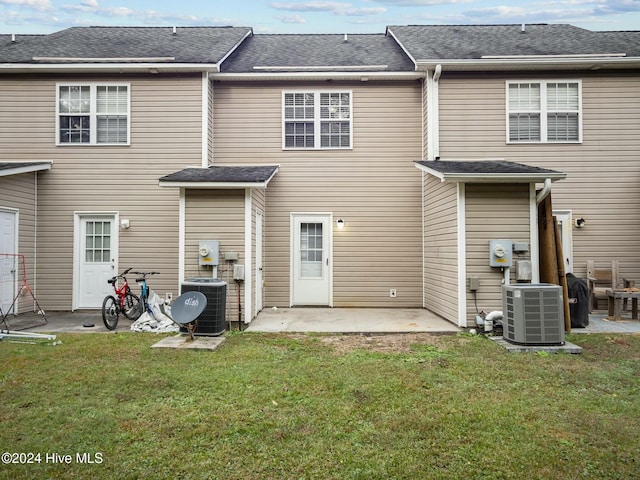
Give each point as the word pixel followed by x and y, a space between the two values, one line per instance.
pixel 209 252
pixel 500 253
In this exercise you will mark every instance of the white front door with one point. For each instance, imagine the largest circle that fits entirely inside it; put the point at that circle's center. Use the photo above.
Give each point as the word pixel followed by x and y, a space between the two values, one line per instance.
pixel 259 285
pixel 8 263
pixel 565 224
pixel 97 251
pixel 311 252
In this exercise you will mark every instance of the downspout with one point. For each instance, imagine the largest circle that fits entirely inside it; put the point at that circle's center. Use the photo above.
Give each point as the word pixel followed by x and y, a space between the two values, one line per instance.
pixel 544 193
pixel 435 110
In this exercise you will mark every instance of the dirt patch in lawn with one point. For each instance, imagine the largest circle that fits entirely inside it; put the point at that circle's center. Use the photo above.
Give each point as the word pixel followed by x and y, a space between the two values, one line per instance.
pixel 384 343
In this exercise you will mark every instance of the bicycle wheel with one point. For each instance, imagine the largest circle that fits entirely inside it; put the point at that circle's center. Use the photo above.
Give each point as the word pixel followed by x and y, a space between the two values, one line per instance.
pixel 110 312
pixel 132 308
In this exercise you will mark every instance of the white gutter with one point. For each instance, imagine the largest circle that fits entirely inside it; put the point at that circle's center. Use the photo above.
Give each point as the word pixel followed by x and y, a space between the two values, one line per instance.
pixel 149 67
pixel 226 185
pixel 362 75
pixel 531 63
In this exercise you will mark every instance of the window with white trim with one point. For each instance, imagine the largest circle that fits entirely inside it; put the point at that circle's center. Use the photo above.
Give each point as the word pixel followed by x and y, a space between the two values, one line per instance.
pixel 316 120
pixel 92 114
pixel 544 112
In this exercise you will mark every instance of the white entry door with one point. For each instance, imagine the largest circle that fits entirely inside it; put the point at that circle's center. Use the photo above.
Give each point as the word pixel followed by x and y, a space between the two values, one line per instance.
pixel 311 252
pixel 259 282
pixel 97 251
pixel 566 232
pixel 8 264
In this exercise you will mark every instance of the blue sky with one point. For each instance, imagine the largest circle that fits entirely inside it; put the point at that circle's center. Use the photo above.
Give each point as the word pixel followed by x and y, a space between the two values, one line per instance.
pixel 313 16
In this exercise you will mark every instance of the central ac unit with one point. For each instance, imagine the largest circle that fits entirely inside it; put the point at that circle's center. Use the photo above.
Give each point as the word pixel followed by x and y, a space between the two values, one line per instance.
pixel 212 322
pixel 533 314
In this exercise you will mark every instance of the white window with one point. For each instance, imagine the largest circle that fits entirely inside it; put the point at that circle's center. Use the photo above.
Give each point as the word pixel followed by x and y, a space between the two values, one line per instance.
pixel 316 120
pixel 544 111
pixel 92 114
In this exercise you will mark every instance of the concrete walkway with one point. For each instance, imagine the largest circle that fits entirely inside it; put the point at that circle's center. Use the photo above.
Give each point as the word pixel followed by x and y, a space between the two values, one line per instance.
pixel 328 320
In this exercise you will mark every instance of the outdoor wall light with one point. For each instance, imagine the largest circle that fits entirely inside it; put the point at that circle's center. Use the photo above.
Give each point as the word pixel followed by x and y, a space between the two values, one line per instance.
pixel 580 222
pixel 340 223
pixel 124 223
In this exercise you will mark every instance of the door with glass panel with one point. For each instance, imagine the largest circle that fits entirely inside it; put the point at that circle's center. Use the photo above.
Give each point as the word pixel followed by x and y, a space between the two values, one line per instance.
pixel 97 249
pixel 311 252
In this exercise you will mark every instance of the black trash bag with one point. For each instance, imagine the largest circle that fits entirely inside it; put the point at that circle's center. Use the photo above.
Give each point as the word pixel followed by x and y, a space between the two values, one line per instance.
pixel 578 301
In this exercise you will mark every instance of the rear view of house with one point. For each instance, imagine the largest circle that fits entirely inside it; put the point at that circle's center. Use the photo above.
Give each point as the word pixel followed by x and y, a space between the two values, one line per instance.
pixel 324 170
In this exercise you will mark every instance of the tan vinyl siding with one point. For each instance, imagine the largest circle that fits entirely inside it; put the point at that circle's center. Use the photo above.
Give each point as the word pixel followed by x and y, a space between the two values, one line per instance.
pixel 166 126
pixel 492 211
pixel 603 173
pixel 374 187
pixel 215 215
pixel 441 247
pixel 18 195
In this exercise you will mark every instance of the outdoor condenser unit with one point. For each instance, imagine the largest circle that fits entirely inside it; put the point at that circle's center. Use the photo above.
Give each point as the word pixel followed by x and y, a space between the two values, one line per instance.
pixel 212 321
pixel 533 314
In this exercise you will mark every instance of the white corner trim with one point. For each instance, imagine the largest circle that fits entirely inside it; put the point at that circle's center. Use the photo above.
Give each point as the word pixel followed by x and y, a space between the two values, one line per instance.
pixel 248 308
pixel 533 234
pixel 462 255
pixel 205 119
pixel 182 216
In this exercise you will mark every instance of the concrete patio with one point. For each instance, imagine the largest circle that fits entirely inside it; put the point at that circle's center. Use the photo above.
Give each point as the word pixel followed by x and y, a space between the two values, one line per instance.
pixel 321 320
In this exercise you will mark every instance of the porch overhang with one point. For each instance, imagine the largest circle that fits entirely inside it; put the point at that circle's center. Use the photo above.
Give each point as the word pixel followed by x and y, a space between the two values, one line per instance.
pixel 487 171
pixel 221 177
pixel 15 168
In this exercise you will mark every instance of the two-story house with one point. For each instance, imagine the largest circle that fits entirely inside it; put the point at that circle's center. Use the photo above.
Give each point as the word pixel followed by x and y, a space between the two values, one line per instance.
pixel 298 153
pixel 552 97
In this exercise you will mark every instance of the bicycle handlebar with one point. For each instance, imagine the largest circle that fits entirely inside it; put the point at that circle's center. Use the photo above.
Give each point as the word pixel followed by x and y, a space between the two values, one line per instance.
pixel 144 274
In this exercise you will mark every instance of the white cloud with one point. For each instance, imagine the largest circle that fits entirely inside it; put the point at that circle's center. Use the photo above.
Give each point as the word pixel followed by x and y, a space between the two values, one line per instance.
pixel 90 3
pixel 291 19
pixel 337 8
pixel 35 4
pixel 420 3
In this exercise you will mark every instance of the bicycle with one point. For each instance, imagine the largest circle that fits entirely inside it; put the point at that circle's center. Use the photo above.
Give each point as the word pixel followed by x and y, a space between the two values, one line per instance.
pixel 127 303
pixel 144 292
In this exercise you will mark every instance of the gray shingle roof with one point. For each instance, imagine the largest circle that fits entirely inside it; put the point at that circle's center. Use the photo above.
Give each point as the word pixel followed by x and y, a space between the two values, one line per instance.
pixel 189 45
pixel 13 168
pixel 474 41
pixel 281 51
pixel 487 170
pixel 223 174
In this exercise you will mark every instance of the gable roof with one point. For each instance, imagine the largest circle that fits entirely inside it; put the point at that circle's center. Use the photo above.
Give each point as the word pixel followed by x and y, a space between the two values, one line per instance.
pixel 498 46
pixel 15 168
pixel 318 53
pixel 128 46
pixel 487 171
pixel 221 177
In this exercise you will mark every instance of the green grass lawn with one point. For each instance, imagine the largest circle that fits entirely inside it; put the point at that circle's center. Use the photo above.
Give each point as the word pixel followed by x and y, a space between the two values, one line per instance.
pixel 266 406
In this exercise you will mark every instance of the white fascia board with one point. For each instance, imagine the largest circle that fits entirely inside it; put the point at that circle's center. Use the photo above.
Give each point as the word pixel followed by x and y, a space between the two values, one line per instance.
pixel 404 49
pixel 542 63
pixel 214 185
pixel 335 75
pixel 500 178
pixel 234 48
pixel 38 166
pixel 109 67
